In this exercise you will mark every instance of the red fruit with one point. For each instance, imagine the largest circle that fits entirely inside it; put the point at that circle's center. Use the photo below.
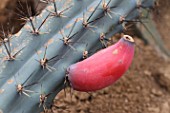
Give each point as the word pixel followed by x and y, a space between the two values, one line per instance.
pixel 103 68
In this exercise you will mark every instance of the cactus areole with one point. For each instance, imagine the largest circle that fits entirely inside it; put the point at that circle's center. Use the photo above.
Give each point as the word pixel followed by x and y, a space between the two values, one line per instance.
pixel 103 68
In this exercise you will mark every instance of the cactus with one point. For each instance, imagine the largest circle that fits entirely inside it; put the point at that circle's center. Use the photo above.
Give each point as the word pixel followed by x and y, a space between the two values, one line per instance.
pixel 34 61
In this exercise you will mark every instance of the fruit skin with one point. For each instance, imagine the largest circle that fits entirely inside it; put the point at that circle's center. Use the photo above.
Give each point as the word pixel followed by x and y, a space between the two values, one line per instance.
pixel 103 68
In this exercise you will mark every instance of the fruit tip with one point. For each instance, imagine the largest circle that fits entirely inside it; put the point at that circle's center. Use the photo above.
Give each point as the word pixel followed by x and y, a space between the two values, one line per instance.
pixel 128 38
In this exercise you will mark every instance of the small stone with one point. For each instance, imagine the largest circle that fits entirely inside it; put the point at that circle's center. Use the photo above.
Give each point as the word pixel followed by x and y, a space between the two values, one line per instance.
pixel 156 92
pixel 162 77
pixel 82 111
pixel 147 99
pixel 74 99
pixel 148 73
pixel 165 108
pixel 154 109
pixel 83 97
pixel 126 101
pixel 138 88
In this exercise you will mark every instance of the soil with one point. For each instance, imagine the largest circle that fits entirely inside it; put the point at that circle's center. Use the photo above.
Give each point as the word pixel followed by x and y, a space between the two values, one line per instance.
pixel 145 88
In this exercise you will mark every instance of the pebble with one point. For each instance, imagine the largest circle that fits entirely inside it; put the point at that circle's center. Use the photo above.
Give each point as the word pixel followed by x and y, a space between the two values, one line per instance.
pixel 148 73
pixel 165 108
pixel 156 92
pixel 154 109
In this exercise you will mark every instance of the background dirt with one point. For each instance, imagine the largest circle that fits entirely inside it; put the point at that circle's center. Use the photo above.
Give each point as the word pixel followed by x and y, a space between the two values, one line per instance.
pixel 145 88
